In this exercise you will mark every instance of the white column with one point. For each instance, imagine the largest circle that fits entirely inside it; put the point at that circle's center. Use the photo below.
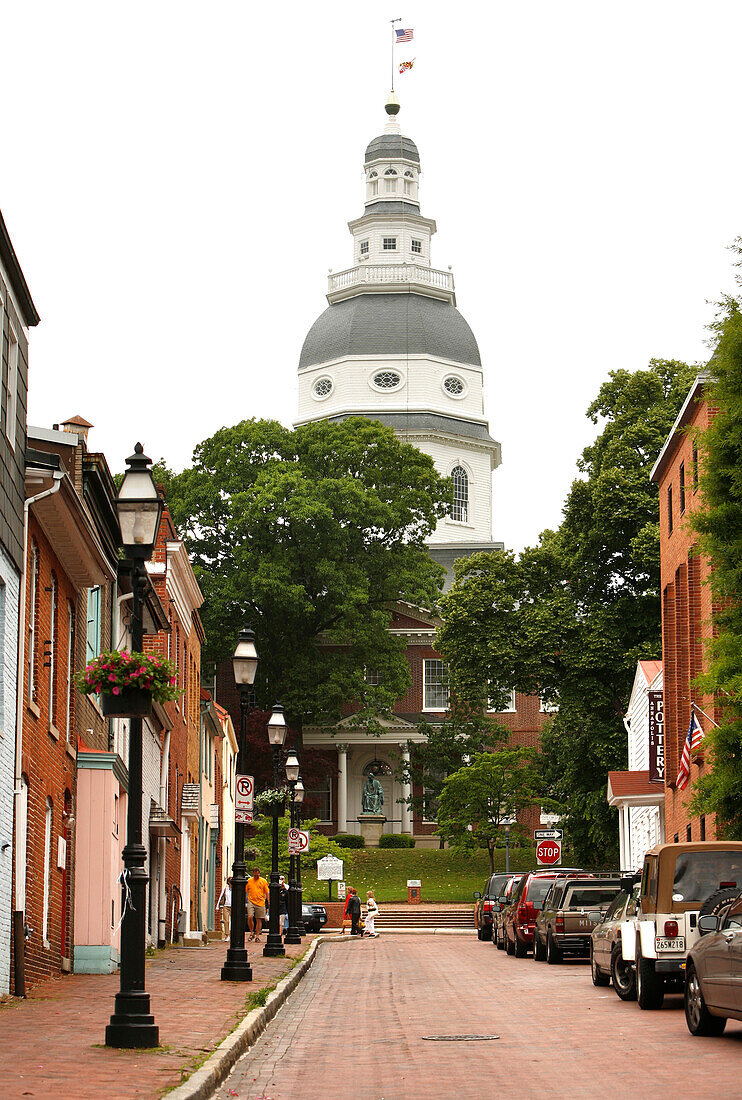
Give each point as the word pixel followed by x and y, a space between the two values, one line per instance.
pixel 622 840
pixel 631 856
pixel 342 788
pixel 406 793
pixel 185 872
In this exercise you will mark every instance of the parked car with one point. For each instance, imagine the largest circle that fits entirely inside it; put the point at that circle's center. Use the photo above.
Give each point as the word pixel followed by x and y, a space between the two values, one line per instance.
pixel 713 989
pixel 570 911
pixel 606 960
pixel 519 917
pixel 679 884
pixel 486 902
pixel 498 927
pixel 313 916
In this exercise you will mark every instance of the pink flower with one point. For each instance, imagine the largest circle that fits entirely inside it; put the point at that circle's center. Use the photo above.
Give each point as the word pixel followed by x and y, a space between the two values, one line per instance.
pixel 112 678
pixel 117 691
pixel 173 680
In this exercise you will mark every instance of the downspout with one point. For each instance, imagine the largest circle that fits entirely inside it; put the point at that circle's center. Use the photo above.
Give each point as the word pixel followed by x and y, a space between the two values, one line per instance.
pixel 19 907
pixel 162 842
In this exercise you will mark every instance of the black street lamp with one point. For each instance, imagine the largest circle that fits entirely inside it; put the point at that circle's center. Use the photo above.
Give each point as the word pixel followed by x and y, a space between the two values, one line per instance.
pixel 139 509
pixel 276 737
pixel 298 799
pixel 236 967
pixel 292 775
pixel 507 847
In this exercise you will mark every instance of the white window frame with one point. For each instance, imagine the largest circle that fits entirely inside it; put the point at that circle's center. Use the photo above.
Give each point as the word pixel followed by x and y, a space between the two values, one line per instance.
pixel 419 250
pixel 11 406
pixel 390 186
pixel 33 576
pixel 547 707
pixel 426 672
pixel 464 502
pixel 70 668
pixel 388 244
pixel 373 187
pixel 53 596
pixel 47 869
pixel 363 248
pixel 324 820
pixel 96 620
pixel 505 710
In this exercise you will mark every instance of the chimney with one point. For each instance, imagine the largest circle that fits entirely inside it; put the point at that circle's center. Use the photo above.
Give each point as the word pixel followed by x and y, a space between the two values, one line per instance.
pixel 78 426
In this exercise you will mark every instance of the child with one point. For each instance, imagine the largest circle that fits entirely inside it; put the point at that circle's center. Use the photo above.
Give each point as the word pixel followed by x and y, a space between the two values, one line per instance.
pixel 372 911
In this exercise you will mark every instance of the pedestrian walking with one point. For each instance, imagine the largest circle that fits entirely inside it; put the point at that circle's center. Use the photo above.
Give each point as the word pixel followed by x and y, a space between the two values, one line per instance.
pixel 258 893
pixel 354 909
pixel 283 908
pixel 346 923
pixel 372 912
pixel 225 904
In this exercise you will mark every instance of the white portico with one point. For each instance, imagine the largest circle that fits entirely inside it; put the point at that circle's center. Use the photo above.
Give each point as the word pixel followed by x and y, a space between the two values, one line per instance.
pixel 359 755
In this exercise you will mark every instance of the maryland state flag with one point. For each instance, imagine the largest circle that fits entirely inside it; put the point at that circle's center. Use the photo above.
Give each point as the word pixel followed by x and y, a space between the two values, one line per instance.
pixel 406 65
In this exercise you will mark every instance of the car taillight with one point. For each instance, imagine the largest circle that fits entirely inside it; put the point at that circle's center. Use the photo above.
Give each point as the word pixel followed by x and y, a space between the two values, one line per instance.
pixel 522 914
pixel 671 929
pixel 487 907
pixel 560 924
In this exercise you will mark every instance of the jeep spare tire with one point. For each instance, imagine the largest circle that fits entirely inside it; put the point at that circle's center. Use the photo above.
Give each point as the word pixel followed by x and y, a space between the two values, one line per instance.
pixel 714 904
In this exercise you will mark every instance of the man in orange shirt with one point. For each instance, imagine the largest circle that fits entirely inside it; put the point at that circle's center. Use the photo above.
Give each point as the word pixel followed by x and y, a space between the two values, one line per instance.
pixel 258 893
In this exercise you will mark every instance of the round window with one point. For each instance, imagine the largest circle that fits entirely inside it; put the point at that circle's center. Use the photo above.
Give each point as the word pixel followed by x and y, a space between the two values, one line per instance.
pixel 322 387
pixel 453 386
pixel 387 380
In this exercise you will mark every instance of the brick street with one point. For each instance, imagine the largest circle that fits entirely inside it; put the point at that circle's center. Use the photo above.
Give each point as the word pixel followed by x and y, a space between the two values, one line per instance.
pixel 354 1027
pixel 52 1043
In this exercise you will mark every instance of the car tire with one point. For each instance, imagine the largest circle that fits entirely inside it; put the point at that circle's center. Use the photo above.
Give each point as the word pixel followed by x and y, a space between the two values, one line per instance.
pixel 539 951
pixel 553 954
pixel 650 988
pixel 501 940
pixel 697 1016
pixel 494 936
pixel 520 948
pixel 599 978
pixel 480 935
pixel 623 975
pixel 487 932
pixel 509 946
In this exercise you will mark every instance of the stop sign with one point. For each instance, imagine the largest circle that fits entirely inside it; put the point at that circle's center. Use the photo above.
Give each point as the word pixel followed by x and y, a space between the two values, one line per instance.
pixel 548 852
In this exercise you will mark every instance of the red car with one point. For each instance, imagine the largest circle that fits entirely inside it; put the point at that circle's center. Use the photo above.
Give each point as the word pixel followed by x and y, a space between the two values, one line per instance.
pixel 519 919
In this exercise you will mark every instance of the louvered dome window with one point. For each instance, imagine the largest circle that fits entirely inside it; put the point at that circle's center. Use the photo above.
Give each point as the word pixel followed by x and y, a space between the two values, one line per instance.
pixel 460 503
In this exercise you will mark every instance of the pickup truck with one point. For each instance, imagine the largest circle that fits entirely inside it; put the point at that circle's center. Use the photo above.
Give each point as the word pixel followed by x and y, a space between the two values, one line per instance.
pixel 571 910
pixel 679 884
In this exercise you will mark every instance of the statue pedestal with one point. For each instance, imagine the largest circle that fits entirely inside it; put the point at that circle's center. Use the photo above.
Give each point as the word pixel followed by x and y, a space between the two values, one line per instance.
pixel 372 826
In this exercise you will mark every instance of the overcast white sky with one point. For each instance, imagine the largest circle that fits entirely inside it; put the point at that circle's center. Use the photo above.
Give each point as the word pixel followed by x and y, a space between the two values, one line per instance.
pixel 177 177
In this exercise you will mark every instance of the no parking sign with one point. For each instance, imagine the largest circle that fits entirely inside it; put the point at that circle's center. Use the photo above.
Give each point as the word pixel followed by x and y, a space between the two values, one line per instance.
pixel 298 842
pixel 244 793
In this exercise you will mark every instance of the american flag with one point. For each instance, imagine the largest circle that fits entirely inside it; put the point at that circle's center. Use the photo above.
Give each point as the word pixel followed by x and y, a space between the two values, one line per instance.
pixel 403 35
pixel 693 739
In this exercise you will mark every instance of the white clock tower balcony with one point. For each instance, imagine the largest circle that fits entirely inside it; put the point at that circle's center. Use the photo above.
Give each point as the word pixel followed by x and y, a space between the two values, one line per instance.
pixel 390 279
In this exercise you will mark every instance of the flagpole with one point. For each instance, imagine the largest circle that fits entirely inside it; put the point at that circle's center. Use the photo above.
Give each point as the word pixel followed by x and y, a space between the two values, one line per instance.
pixel 392 21
pixel 695 706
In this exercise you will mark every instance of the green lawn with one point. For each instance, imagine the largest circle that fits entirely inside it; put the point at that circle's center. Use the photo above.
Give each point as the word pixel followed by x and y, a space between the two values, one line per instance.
pixel 445 875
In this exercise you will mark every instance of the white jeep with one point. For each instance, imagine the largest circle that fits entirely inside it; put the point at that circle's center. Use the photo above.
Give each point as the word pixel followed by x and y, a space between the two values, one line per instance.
pixel 679 882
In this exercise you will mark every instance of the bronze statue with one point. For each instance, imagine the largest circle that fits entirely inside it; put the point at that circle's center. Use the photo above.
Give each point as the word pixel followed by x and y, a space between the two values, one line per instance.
pixel 372 797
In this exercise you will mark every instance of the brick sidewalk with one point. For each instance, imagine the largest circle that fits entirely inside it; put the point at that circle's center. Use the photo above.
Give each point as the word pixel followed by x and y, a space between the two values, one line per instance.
pixel 52 1043
pixel 354 1028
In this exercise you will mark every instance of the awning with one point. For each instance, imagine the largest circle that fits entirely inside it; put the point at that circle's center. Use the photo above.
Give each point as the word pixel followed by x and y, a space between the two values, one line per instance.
pixel 634 789
pixel 160 824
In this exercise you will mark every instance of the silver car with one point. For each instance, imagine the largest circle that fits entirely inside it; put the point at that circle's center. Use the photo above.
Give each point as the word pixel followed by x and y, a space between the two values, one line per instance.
pixel 713 977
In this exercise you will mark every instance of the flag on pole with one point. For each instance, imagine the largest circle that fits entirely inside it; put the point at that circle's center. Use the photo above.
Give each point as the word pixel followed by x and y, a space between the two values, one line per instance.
pixel 403 35
pixel 693 739
pixel 406 65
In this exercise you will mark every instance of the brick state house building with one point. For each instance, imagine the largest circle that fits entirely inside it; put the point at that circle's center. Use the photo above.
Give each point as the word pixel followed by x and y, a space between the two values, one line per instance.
pixel 392 346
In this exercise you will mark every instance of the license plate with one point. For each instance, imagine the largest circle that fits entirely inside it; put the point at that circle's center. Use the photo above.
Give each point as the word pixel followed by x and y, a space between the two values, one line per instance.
pixel 676 944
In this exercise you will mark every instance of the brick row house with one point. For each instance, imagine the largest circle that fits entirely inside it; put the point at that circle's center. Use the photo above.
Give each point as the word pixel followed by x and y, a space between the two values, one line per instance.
pixel 687 609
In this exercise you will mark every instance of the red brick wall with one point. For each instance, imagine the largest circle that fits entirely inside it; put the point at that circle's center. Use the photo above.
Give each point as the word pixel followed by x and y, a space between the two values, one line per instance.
pixel 686 617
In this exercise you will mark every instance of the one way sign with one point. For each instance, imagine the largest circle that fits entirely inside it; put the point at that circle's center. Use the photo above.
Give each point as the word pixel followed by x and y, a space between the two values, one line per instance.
pixel 548 834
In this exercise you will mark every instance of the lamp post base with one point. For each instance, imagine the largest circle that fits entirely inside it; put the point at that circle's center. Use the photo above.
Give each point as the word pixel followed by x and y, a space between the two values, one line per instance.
pixel 132 1026
pixel 292 937
pixel 236 970
pixel 272 948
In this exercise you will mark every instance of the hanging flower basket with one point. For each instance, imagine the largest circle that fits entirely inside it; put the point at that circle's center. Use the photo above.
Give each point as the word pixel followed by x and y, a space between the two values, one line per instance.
pixel 272 803
pixel 127 684
pixel 129 703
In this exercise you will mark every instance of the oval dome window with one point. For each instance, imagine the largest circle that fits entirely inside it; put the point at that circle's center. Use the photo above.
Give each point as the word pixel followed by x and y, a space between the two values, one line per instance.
pixel 323 387
pixel 387 380
pixel 453 385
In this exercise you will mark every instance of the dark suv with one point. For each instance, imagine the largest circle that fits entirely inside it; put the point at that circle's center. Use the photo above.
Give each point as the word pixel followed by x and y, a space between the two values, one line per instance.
pixel 487 901
pixel 519 919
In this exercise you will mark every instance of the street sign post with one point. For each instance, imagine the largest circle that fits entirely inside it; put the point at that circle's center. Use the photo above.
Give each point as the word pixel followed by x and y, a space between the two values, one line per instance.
pixel 244 793
pixel 298 842
pixel 331 869
pixel 341 891
pixel 548 853
pixel 548 834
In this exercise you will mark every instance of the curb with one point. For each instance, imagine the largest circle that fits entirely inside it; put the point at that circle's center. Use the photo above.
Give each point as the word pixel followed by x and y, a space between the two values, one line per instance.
pixel 203 1082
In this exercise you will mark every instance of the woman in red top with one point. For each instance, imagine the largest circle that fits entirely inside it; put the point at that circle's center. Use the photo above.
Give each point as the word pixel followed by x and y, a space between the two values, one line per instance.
pixel 346 915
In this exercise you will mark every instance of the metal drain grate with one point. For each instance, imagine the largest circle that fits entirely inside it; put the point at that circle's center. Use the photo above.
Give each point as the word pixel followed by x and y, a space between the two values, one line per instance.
pixel 458 1038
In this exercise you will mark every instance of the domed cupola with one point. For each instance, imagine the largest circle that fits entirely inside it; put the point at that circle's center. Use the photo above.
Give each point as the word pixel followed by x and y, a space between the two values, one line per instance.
pixel 392 346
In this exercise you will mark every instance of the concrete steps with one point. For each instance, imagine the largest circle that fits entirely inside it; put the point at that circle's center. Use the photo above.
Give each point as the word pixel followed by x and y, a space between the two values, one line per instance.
pixel 414 917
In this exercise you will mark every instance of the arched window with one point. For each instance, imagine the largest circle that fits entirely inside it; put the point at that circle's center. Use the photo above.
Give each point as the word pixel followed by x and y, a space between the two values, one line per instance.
pixel 390 172
pixel 460 503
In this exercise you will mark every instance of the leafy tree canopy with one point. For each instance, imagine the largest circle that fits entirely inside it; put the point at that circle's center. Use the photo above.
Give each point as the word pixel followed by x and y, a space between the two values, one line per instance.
pixel 570 617
pixel 719 523
pixel 477 800
pixel 310 534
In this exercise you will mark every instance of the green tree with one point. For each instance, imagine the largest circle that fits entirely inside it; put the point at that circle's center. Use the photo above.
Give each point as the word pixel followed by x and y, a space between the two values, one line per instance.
pixel 719 523
pixel 446 748
pixel 478 799
pixel 259 847
pixel 310 535
pixel 570 618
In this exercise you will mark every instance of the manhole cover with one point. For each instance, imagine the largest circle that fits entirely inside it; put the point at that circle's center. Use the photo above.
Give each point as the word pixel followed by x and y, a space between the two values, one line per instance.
pixel 458 1038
